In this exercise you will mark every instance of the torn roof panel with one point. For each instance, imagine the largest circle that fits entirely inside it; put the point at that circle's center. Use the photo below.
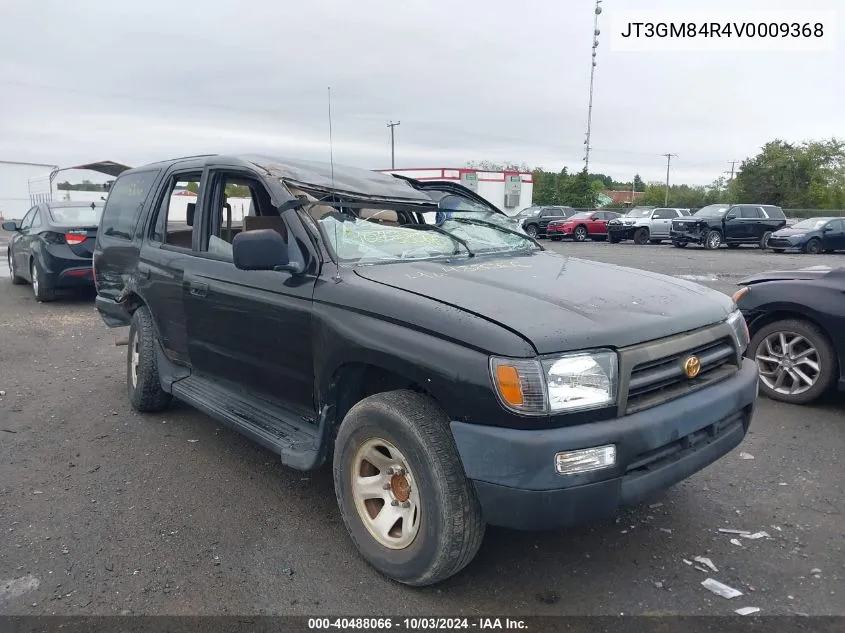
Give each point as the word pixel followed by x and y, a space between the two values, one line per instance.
pixel 107 167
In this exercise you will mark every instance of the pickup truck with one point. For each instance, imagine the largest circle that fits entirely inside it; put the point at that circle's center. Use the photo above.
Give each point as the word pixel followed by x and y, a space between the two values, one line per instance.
pixel 454 374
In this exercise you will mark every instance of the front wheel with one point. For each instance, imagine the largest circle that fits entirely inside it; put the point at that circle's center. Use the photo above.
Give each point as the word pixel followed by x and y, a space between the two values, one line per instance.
pixel 796 361
pixel 641 236
pixel 713 240
pixel 764 241
pixel 580 234
pixel 402 491
pixel 813 247
pixel 613 239
pixel 16 279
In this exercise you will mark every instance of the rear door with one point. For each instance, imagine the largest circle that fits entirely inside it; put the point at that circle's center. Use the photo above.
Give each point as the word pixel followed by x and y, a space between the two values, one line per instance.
pixel 661 222
pixel 834 235
pixel 170 244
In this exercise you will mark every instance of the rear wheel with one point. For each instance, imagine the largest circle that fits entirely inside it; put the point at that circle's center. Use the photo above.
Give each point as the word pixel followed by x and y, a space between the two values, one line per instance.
pixel 796 361
pixel 39 285
pixel 764 241
pixel 402 491
pixel 17 280
pixel 580 234
pixel 813 247
pixel 713 240
pixel 142 377
pixel 641 236
pixel 531 230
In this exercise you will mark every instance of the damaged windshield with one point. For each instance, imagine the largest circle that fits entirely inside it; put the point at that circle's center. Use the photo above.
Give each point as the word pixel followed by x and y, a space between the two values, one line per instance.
pixel 369 233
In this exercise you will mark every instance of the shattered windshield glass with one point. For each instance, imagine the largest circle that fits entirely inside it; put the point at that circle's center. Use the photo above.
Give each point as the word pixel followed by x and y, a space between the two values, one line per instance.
pixel 362 234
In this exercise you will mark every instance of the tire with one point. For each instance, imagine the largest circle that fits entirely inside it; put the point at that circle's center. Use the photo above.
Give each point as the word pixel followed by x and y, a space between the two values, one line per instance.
pixel 580 233
pixel 531 231
pixel 451 529
pixel 713 240
pixel 555 238
pixel 679 244
pixel 613 239
pixel 813 247
pixel 764 240
pixel 824 357
pixel 16 279
pixel 39 285
pixel 655 241
pixel 144 386
pixel 641 236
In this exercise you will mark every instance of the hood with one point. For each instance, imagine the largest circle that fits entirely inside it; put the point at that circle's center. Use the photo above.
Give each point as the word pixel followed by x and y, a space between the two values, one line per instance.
pixel 812 272
pixel 561 303
pixel 688 219
pixel 790 232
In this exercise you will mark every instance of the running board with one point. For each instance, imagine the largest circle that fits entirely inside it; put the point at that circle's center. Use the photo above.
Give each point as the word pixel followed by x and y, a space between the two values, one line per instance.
pixel 300 444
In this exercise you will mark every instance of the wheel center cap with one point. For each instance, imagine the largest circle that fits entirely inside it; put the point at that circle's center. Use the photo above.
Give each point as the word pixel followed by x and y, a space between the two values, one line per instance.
pixel 400 487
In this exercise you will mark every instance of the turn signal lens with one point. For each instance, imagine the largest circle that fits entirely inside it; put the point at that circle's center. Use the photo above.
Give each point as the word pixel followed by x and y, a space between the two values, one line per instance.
pixel 739 294
pixel 509 385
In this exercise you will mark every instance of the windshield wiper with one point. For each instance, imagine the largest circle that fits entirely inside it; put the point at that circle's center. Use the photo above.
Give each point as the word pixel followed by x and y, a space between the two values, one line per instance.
pixel 494 226
pixel 431 227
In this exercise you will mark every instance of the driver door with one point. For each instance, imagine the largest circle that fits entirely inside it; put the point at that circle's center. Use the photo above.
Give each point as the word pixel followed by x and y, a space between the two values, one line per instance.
pixel 833 236
pixel 19 244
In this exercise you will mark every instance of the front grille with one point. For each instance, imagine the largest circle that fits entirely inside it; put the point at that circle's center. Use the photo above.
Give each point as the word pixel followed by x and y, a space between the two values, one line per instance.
pixel 685 227
pixel 663 456
pixel 657 381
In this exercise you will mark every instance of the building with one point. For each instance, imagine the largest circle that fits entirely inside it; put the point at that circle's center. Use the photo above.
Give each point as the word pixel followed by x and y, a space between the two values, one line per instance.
pixel 624 197
pixel 510 191
pixel 15 199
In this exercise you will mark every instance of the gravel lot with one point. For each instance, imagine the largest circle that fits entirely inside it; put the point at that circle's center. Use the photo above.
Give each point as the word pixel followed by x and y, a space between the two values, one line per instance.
pixel 106 511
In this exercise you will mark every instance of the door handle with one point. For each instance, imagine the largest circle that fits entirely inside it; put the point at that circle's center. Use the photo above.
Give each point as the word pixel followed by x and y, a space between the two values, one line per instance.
pixel 198 289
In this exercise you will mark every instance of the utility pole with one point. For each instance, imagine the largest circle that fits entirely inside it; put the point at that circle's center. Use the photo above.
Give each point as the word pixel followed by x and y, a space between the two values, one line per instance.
pixel 592 76
pixel 668 162
pixel 392 125
pixel 733 163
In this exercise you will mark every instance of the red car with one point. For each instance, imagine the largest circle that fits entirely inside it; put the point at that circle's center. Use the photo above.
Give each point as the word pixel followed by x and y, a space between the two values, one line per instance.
pixel 591 224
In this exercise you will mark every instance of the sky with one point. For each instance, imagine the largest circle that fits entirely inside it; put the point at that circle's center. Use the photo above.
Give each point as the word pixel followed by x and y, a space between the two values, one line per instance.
pixel 491 80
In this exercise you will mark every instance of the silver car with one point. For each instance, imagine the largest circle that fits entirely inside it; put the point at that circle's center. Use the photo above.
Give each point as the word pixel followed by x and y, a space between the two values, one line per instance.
pixel 644 224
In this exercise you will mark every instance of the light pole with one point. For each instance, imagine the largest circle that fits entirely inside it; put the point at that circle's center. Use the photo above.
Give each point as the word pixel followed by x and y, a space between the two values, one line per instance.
pixel 592 77
pixel 392 125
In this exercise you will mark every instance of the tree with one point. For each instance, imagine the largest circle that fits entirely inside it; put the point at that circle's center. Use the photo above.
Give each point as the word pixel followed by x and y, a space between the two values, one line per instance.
pixel 639 185
pixel 487 165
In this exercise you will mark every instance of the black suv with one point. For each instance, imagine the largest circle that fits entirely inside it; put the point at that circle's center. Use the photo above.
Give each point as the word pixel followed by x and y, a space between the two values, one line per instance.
pixel 536 219
pixel 716 224
pixel 454 373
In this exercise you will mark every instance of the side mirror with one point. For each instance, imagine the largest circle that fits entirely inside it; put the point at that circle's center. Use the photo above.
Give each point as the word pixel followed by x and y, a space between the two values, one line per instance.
pixel 262 249
pixel 731 216
pixel 11 225
pixel 827 229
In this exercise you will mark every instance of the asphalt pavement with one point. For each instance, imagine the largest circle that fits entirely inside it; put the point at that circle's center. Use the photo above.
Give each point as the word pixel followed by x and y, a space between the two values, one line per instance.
pixel 107 511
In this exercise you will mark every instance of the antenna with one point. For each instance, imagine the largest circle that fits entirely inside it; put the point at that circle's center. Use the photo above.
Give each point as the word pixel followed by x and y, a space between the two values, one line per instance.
pixel 337 278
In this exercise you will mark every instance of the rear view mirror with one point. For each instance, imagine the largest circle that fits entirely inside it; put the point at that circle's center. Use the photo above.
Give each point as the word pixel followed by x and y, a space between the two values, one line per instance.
pixel 262 249
pixel 11 225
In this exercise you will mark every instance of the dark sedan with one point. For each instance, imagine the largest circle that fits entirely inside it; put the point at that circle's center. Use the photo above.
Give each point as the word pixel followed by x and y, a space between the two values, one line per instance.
pixel 797 324
pixel 52 246
pixel 816 235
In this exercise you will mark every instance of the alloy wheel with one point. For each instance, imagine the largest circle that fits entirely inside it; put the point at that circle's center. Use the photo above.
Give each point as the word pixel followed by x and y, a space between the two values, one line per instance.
pixel 385 493
pixel 33 273
pixel 134 358
pixel 789 364
pixel 715 240
pixel 580 234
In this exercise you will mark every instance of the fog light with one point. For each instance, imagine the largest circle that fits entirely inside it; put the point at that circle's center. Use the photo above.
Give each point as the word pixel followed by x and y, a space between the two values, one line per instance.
pixel 585 460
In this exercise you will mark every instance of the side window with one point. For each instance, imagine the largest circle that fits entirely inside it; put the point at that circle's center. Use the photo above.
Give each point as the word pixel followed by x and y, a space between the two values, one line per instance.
pixel 36 219
pixel 238 203
pixel 664 214
pixel 125 203
pixel 27 219
pixel 177 208
pixel 747 212
pixel 837 226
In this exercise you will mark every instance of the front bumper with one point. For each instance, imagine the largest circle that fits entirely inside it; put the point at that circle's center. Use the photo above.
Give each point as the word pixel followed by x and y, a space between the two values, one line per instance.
pixel 562 231
pixel 784 243
pixel 623 232
pixel 515 478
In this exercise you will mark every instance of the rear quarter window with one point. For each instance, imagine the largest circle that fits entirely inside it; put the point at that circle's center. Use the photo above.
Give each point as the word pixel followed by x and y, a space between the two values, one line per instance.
pixel 775 213
pixel 125 203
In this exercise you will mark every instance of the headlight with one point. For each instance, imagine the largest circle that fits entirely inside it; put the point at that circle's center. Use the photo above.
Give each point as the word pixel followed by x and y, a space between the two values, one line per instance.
pixel 570 382
pixel 740 330
pixel 798 236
